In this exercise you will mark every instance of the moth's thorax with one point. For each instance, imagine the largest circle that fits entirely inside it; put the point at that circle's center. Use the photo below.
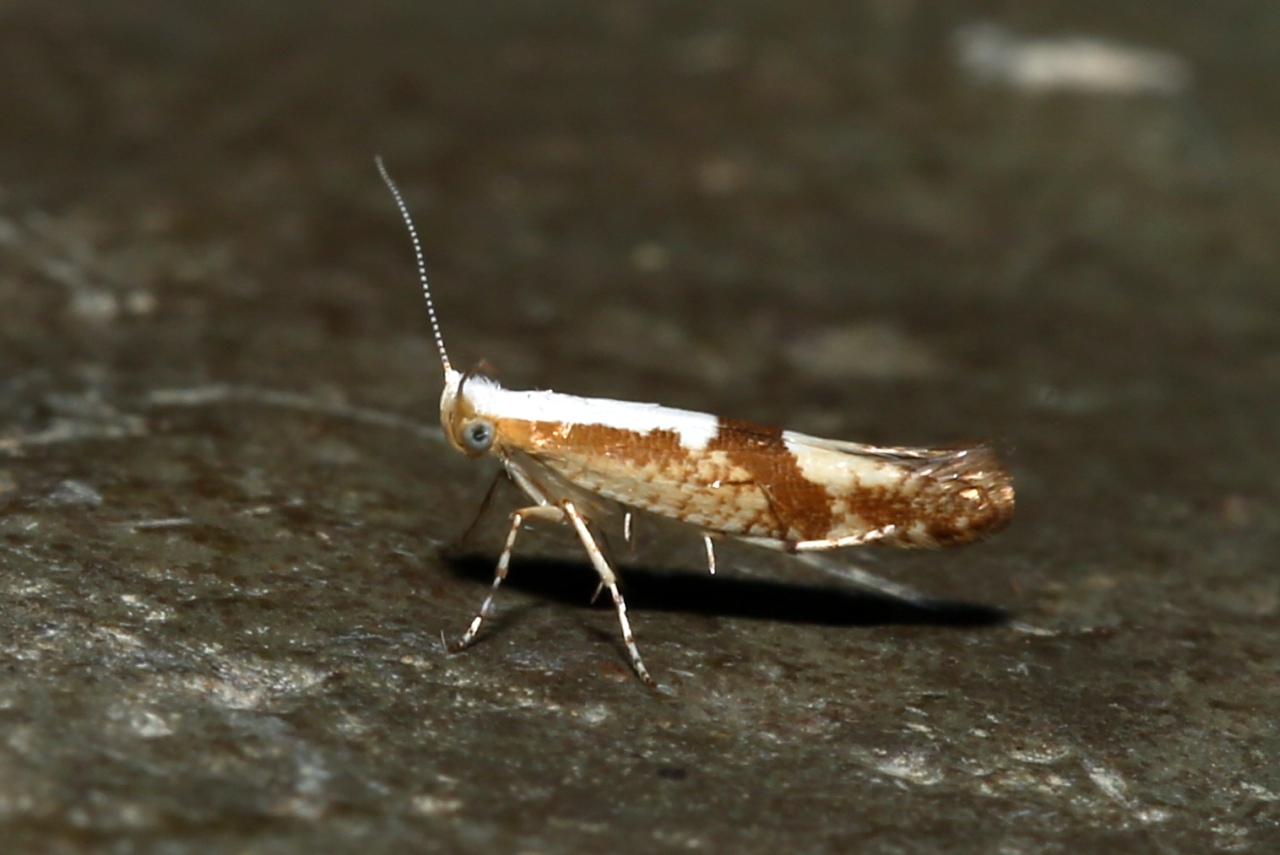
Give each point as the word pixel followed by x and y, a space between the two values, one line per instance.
pixel 473 402
pixel 531 420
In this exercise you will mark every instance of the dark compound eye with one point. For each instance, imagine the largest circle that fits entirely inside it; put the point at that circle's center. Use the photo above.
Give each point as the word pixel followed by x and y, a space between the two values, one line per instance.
pixel 478 435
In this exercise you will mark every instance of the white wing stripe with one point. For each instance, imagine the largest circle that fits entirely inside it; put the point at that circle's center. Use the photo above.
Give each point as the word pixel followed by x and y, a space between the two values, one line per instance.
pixel 696 430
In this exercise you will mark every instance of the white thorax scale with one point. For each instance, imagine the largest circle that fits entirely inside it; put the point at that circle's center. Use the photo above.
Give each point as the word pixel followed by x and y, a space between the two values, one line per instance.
pixel 727 478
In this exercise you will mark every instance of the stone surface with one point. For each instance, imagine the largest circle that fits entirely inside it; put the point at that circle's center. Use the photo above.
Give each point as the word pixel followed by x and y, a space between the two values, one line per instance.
pixel 223 500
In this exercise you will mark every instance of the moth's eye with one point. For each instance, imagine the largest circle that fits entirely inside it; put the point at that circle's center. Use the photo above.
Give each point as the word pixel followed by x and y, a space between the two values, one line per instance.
pixel 478 435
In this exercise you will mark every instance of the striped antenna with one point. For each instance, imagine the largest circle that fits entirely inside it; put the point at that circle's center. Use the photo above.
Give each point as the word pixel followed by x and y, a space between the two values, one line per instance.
pixel 422 264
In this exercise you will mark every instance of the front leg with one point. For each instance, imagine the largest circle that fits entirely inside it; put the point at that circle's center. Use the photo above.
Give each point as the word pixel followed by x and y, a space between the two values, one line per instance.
pixel 551 513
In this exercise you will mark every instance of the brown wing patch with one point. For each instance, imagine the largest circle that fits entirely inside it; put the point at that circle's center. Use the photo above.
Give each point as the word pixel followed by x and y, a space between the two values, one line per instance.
pixel 748 481
pixel 655 448
pixel 653 470
pixel 941 498
pixel 970 496
pixel 801 509
pixel 744 482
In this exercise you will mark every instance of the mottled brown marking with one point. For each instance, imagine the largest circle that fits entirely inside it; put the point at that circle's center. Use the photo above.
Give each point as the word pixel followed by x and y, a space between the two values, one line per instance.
pixel 652 471
pixel 946 498
pixel 660 447
pixel 971 496
pixel 801 509
pixel 748 482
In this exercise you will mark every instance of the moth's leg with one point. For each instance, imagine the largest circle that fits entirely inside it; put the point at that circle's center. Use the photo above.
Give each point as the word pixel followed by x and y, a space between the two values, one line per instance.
pixel 628 533
pixel 524 481
pixel 542 512
pixel 609 580
pixel 711 553
pixel 841 542
pixel 480 512
pixel 606 551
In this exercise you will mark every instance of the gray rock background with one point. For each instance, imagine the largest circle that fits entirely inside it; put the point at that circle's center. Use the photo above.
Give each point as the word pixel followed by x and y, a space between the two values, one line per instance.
pixel 224 499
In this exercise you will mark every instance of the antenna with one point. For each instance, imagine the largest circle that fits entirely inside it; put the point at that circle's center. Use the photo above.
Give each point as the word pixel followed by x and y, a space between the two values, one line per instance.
pixel 422 265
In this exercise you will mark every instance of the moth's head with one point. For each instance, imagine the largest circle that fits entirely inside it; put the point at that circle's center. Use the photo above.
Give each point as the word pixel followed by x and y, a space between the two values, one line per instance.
pixel 467 425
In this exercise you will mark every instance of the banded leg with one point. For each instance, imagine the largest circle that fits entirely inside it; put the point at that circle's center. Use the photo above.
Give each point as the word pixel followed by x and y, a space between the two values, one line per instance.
pixel 711 553
pixel 542 512
pixel 608 580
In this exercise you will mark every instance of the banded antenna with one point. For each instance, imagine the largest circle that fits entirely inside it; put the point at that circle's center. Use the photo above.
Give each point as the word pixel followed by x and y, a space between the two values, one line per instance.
pixel 422 264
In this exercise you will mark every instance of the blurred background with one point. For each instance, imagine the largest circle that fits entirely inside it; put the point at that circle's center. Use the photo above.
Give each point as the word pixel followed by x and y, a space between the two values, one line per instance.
pixel 223 498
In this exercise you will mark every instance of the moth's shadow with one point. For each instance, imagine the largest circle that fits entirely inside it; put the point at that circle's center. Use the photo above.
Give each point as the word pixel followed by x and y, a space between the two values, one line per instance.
pixel 689 592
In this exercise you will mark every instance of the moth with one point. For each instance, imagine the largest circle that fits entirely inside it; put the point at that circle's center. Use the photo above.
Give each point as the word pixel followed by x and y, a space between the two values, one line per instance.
pixel 724 477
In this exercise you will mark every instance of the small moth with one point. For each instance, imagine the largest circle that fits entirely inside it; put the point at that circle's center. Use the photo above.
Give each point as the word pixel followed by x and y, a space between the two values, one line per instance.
pixel 726 478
